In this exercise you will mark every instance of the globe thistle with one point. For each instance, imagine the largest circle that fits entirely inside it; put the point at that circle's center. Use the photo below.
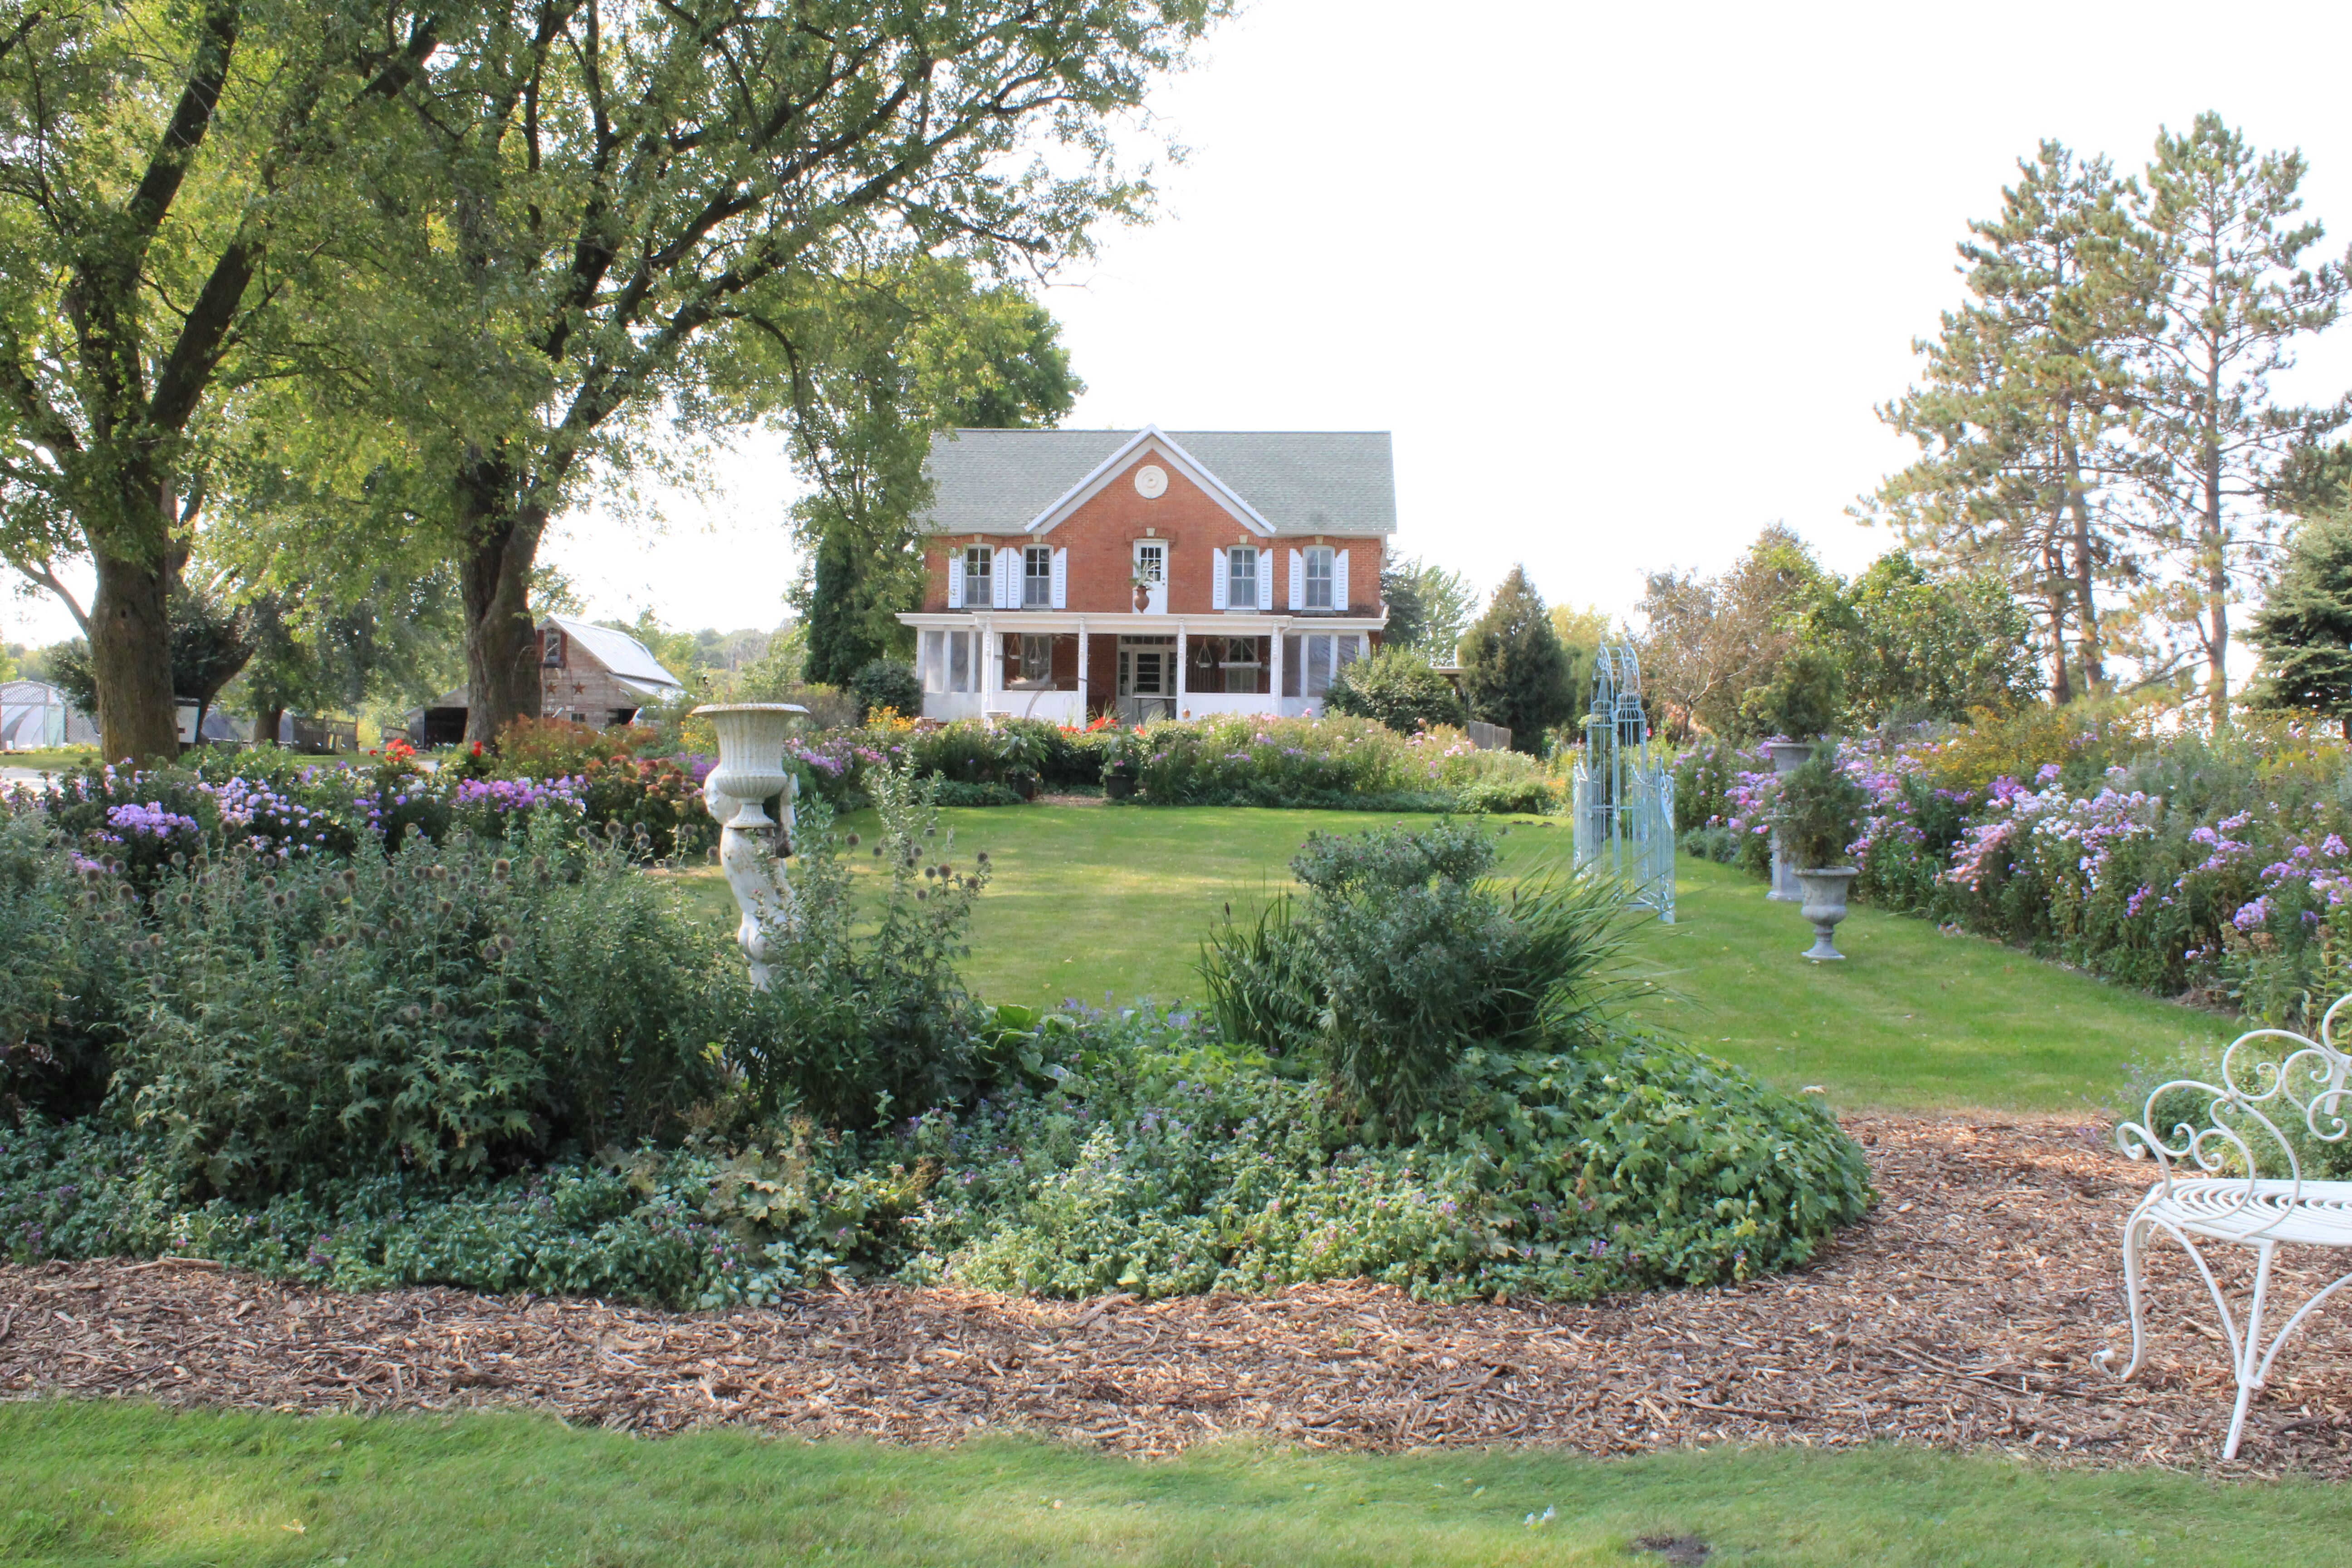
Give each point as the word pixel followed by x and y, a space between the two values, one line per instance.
pixel 852 841
pixel 500 869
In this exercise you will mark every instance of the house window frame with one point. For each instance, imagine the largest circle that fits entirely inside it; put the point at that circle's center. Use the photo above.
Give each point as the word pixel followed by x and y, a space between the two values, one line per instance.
pixel 1236 598
pixel 1037 577
pixel 978 568
pixel 1319 561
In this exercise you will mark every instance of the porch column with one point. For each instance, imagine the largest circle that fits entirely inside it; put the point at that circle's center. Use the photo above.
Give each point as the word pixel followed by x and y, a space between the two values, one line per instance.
pixel 1183 653
pixel 1273 668
pixel 991 653
pixel 1082 674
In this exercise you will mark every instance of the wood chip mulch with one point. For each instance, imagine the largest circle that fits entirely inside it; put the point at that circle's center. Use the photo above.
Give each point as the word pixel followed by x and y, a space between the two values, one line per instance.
pixel 1962 1313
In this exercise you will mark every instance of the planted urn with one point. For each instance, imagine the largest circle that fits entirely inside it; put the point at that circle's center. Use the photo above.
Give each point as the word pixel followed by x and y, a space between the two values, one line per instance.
pixel 1818 816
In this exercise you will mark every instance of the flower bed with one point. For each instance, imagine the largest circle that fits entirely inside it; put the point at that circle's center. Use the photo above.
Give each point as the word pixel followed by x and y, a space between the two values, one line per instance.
pixel 2170 862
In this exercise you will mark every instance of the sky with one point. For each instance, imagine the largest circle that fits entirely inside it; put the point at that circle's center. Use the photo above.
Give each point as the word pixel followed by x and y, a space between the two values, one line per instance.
pixel 1626 283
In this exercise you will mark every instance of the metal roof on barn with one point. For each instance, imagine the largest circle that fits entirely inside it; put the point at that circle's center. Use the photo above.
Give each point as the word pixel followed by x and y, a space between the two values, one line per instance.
pixel 622 655
pixel 1299 482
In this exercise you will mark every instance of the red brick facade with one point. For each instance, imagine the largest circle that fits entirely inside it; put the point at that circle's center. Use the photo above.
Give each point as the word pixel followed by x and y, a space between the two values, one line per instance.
pixel 1102 534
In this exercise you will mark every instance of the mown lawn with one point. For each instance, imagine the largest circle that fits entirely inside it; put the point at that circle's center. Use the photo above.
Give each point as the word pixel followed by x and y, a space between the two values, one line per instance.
pixel 127 1483
pixel 53 759
pixel 1107 903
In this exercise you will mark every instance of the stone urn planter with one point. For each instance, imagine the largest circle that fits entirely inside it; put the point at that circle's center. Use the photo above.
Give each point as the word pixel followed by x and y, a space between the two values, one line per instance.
pixel 1142 597
pixel 1119 781
pixel 1786 756
pixel 1824 905
pixel 752 845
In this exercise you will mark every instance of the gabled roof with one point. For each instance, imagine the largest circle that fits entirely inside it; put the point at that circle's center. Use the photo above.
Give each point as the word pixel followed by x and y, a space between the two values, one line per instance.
pixel 621 655
pixel 1288 481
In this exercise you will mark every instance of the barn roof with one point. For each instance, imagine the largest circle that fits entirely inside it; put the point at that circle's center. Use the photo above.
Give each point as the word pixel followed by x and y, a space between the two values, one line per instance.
pixel 623 655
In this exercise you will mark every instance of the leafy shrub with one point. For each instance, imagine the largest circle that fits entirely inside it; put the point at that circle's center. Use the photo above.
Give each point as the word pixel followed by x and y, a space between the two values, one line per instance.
pixel 1404 958
pixel 437 1009
pixel 1127 1153
pixel 1333 763
pixel 1817 809
pixel 1175 1165
pixel 1718 844
pixel 1397 687
pixel 61 1010
pixel 950 793
pixel 887 683
pixel 865 1011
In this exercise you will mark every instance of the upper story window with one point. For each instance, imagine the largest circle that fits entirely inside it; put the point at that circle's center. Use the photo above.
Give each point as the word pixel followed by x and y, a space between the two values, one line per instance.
pixel 1037 577
pixel 550 648
pixel 1241 577
pixel 975 574
pixel 1318 576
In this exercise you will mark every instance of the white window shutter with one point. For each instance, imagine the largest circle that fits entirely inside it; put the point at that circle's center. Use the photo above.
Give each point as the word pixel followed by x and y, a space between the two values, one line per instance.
pixel 1297 581
pixel 955 580
pixel 1218 583
pixel 1008 579
pixel 1339 600
pixel 1265 579
pixel 1061 579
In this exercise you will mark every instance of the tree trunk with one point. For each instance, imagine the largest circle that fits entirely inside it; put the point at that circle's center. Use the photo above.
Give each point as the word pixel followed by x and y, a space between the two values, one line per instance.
pixel 501 653
pixel 265 721
pixel 2053 599
pixel 131 660
pixel 2088 645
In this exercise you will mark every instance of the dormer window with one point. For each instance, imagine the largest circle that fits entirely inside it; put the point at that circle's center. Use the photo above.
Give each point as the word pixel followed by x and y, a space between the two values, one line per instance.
pixel 1318 576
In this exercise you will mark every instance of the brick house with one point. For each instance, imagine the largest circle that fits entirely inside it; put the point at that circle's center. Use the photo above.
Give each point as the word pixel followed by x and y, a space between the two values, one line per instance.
pixel 587 673
pixel 1149 574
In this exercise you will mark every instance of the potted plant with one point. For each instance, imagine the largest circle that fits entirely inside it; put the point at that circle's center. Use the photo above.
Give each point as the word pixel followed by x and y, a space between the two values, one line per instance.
pixel 1796 710
pixel 1122 765
pixel 1142 585
pixel 1817 814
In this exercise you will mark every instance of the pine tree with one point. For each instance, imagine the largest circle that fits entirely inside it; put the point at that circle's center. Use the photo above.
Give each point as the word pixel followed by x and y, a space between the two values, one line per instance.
pixel 2305 626
pixel 2019 415
pixel 2236 295
pixel 1514 670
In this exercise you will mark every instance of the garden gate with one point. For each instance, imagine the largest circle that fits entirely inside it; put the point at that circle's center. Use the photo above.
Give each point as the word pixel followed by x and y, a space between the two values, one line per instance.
pixel 1624 799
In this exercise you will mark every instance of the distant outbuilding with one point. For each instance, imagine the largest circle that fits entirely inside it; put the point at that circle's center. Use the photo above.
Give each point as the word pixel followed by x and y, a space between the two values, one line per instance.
pixel 587 673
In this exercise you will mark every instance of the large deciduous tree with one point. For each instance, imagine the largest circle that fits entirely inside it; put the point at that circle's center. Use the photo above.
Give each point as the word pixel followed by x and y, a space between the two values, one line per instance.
pixel 2021 411
pixel 168 178
pixel 1707 642
pixel 877 363
pixel 597 200
pixel 2218 221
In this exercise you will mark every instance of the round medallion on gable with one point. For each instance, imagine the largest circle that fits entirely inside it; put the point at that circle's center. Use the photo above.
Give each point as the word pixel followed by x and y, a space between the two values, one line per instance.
pixel 1152 482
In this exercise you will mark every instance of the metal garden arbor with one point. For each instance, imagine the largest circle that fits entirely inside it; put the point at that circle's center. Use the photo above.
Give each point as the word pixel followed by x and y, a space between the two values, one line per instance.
pixel 1625 798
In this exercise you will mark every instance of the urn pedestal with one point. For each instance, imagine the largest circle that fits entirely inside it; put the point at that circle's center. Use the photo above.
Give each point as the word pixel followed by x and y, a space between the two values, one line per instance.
pixel 1786 756
pixel 1824 905
pixel 752 844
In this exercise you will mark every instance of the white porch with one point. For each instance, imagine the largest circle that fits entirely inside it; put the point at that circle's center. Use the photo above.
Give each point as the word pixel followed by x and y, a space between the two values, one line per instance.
pixel 964 662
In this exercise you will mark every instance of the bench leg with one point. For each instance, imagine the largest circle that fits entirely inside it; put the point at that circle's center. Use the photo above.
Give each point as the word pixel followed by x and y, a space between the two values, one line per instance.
pixel 2252 1363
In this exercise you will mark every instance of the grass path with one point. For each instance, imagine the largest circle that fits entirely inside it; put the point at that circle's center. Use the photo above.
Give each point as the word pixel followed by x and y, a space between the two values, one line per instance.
pixel 1100 903
pixel 128 1483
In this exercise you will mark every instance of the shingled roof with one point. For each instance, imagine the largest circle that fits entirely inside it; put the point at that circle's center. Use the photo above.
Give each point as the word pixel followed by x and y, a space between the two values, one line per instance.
pixel 1299 482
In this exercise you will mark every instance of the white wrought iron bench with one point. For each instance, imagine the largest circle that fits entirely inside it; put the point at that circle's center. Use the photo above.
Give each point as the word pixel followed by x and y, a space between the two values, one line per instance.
pixel 2246 1184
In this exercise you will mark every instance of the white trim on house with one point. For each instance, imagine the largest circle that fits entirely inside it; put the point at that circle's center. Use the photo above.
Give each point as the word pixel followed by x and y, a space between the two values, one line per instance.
pixel 1148 438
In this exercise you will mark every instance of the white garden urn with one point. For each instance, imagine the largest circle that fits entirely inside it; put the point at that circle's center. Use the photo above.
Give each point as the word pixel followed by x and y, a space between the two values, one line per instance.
pixel 752 845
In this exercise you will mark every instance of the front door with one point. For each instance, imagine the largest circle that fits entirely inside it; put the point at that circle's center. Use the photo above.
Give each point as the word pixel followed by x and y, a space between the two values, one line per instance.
pixel 1147 678
pixel 1152 571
